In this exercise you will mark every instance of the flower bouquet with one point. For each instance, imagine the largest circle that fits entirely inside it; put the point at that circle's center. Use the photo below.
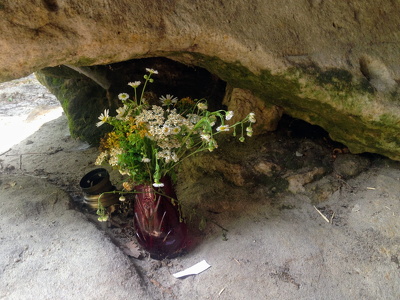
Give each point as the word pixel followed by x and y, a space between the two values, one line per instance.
pixel 149 140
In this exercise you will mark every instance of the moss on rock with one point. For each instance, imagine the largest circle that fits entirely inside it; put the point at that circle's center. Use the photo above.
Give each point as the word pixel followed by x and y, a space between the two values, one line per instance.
pixel 345 106
pixel 82 101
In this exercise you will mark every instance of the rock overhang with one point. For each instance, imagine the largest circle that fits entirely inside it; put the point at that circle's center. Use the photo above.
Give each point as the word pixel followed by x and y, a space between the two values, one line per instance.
pixel 328 63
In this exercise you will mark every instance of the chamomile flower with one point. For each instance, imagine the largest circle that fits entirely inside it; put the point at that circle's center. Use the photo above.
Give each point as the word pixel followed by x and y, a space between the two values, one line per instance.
pixel 102 218
pixel 134 84
pixel 212 144
pixel 229 115
pixel 175 130
pixel 123 172
pixel 202 106
pixel 123 96
pixel 101 158
pixel 103 118
pixel 213 120
pixel 193 118
pixel 166 130
pixel 145 160
pixel 121 112
pixel 252 117
pixel 223 128
pixel 205 137
pixel 158 184
pixel 151 71
pixel 168 100
pixel 249 131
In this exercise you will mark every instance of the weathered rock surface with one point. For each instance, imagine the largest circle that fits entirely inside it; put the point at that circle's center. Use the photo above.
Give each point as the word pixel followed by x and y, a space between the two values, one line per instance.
pixel 261 241
pixel 335 64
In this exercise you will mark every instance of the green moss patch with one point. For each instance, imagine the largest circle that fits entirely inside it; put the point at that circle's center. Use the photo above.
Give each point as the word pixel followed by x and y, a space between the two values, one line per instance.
pixel 82 101
pixel 334 99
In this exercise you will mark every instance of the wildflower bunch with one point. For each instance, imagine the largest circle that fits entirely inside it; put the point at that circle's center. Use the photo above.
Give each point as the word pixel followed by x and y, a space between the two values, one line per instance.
pixel 148 141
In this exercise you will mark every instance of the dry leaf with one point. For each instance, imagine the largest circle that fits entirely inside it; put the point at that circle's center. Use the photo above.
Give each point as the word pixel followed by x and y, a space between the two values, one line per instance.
pixel 131 249
pixel 10 184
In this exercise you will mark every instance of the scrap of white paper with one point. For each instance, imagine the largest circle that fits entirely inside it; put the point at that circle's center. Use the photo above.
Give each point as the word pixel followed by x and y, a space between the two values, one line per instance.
pixel 193 270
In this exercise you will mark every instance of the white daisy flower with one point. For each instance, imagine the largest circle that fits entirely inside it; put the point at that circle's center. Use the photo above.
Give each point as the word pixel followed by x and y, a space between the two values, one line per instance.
pixel 151 71
pixel 123 172
pixel 249 131
pixel 212 145
pixel 168 100
pixel 123 96
pixel 252 117
pixel 102 218
pixel 174 157
pixel 205 137
pixel 229 115
pixel 212 120
pixel 175 130
pixel 103 118
pixel 202 106
pixel 166 130
pixel 134 84
pixel 193 118
pixel 101 158
pixel 145 160
pixel 223 128
pixel 120 112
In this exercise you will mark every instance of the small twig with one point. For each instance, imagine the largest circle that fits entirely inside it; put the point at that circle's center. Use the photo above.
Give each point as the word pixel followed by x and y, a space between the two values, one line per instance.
pixel 220 226
pixel 221 291
pixel 322 215
pixel 333 215
pixel 343 181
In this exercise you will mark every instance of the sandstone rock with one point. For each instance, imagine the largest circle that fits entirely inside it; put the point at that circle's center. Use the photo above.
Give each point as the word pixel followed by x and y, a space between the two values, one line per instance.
pixel 297 181
pixel 267 168
pixel 347 165
pixel 322 190
pixel 330 63
pixel 243 101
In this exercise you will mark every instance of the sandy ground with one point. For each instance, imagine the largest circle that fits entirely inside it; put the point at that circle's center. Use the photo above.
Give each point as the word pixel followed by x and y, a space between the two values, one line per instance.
pixel 286 246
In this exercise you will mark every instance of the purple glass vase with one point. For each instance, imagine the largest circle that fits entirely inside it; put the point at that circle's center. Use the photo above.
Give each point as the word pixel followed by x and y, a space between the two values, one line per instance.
pixel 160 229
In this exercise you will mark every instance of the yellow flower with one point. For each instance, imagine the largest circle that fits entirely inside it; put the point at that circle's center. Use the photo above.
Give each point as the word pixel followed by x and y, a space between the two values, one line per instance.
pixel 186 101
pixel 128 186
